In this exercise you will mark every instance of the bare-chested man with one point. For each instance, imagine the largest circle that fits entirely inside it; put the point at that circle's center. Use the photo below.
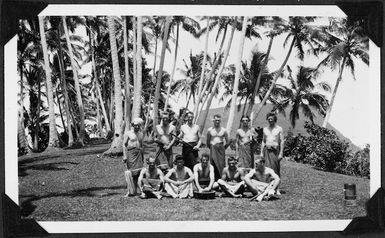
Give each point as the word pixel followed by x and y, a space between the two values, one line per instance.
pixel 165 140
pixel 179 180
pixel 232 182
pixel 133 154
pixel 150 181
pixel 272 144
pixel 217 141
pixel 244 138
pixel 262 181
pixel 204 174
pixel 191 134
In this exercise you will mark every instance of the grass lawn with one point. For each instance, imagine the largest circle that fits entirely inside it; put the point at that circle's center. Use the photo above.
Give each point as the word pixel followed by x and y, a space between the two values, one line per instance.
pixel 77 185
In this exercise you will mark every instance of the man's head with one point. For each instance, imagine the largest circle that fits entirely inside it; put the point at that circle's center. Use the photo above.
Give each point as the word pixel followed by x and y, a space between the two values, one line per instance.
pixel 271 118
pixel 151 163
pixel 245 120
pixel 165 116
pixel 179 161
pixel 259 163
pixel 232 162
pixel 205 159
pixel 136 123
pixel 190 117
pixel 217 120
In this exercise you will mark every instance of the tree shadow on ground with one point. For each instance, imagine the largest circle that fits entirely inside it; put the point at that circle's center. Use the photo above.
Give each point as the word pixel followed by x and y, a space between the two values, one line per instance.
pixel 27 208
pixel 47 166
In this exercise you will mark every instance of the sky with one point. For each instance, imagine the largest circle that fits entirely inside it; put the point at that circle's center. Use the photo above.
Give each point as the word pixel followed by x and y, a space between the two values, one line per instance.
pixel 350 109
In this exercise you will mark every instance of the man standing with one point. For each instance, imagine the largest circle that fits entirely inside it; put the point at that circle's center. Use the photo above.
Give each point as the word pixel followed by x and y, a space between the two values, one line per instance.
pixel 179 180
pixel 244 137
pixel 165 141
pixel 232 182
pixel 150 181
pixel 262 181
pixel 190 134
pixel 204 174
pixel 133 154
pixel 272 144
pixel 216 138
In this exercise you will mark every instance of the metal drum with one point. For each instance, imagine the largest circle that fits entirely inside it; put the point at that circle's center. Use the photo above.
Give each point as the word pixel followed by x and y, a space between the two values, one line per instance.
pixel 350 194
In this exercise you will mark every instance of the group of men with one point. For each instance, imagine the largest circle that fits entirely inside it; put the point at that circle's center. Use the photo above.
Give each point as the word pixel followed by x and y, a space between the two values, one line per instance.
pixel 184 174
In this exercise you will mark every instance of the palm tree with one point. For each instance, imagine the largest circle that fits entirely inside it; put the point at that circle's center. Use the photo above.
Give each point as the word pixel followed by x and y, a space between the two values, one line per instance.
pixel 301 33
pixel 343 40
pixel 217 79
pixel 138 77
pixel 237 75
pixel 53 135
pixel 159 75
pixel 77 84
pixel 203 69
pixel 127 98
pixel 302 95
pixel 117 143
pixel 189 25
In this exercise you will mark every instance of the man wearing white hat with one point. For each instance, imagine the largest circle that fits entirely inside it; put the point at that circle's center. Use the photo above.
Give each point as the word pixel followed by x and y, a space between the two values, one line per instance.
pixel 133 154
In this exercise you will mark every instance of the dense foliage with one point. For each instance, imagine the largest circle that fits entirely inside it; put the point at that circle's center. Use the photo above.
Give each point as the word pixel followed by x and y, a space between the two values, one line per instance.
pixel 323 149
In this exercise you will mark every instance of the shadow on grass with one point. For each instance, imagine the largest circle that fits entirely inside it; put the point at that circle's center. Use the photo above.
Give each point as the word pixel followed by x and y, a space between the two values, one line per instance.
pixel 27 208
pixel 48 166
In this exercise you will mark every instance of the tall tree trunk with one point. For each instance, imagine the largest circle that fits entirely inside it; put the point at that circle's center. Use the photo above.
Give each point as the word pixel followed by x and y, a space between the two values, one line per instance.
pixel 53 135
pixel 37 126
pixel 244 107
pixel 99 117
pixel 196 106
pixel 173 68
pixel 267 95
pixel 134 46
pixel 23 143
pixel 77 84
pixel 117 143
pixel 60 109
pixel 136 108
pixel 65 92
pixel 216 62
pixel 127 98
pixel 238 68
pixel 258 82
pixel 99 94
pixel 111 106
pixel 217 79
pixel 329 110
pixel 160 72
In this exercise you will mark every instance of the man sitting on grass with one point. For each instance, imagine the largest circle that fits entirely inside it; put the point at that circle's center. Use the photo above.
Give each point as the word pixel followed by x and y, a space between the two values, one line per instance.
pixel 150 181
pixel 178 180
pixel 262 181
pixel 231 182
pixel 204 174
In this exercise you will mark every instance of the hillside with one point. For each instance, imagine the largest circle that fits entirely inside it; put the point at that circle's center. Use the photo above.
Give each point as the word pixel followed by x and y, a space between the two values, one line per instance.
pixel 283 121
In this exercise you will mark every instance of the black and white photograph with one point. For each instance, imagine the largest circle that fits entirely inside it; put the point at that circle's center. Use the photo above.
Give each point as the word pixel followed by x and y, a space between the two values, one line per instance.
pixel 224 114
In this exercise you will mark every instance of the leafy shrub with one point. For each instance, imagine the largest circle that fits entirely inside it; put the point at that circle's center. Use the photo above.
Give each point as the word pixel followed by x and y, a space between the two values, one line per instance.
pixel 322 148
pixel 358 164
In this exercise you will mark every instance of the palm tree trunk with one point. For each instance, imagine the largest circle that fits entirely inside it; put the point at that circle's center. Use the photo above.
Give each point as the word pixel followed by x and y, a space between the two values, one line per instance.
pixel 127 98
pixel 53 135
pixel 196 106
pixel 328 112
pixel 267 95
pixel 216 62
pixel 136 108
pixel 237 76
pixel 160 72
pixel 173 68
pixel 99 117
pixel 244 107
pixel 77 84
pixel 99 95
pixel 117 143
pixel 60 109
pixel 37 123
pixel 258 82
pixel 65 92
pixel 134 46
pixel 217 79
pixel 23 143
